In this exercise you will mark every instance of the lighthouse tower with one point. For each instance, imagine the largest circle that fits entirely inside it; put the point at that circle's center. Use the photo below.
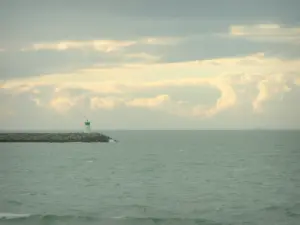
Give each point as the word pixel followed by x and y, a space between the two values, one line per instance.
pixel 87 125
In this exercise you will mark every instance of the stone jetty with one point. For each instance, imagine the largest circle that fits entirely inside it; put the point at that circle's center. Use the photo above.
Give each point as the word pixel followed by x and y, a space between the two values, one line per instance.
pixel 55 137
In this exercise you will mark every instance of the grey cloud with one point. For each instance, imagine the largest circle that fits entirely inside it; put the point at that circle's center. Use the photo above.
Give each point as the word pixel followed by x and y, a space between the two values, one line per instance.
pixel 28 32
pixel 160 8
pixel 204 9
pixel 36 20
pixel 24 64
pixel 32 63
pixel 212 46
pixel 19 64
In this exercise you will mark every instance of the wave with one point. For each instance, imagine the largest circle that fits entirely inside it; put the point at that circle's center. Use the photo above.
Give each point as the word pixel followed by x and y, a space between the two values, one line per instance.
pixel 289 211
pixel 7 216
pixel 26 219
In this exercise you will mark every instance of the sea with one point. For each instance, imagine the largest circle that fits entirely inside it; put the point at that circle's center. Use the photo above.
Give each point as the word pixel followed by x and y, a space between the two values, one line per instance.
pixel 153 178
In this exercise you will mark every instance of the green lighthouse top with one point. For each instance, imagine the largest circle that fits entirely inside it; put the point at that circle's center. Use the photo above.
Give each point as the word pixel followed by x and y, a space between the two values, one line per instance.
pixel 87 123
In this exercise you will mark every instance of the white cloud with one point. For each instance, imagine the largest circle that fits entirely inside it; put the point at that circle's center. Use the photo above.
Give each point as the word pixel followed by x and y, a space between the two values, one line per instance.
pixel 2 50
pixel 149 102
pixel 37 101
pixel 267 77
pixel 98 45
pixel 144 57
pixel 266 32
pixel 161 40
pixel 62 104
pixel 161 102
pixel 269 88
pixel 227 99
pixel 113 102
pixel 105 102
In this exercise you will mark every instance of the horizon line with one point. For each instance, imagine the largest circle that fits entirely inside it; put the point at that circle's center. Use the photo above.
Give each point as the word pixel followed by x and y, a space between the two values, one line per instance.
pixel 160 129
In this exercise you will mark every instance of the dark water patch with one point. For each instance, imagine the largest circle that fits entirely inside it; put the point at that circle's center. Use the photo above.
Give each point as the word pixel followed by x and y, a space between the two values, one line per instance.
pixel 14 202
pixel 293 211
pixel 290 211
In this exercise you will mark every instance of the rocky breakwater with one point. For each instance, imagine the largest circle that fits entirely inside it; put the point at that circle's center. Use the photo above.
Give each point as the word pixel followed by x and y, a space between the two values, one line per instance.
pixel 54 137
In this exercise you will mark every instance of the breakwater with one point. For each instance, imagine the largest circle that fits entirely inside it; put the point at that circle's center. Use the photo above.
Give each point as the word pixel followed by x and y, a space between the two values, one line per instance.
pixel 54 137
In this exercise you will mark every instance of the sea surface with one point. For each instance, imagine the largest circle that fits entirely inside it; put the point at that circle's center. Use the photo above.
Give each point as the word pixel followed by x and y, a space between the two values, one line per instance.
pixel 154 177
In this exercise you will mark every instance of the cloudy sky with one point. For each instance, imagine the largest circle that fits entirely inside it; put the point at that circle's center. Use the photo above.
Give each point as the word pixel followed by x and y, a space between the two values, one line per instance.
pixel 150 64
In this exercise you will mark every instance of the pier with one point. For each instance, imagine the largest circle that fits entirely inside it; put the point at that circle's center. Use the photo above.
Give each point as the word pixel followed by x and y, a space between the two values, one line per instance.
pixel 86 136
pixel 54 137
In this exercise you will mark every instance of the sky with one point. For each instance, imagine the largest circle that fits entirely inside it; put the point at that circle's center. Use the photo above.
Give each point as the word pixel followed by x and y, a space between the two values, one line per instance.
pixel 150 64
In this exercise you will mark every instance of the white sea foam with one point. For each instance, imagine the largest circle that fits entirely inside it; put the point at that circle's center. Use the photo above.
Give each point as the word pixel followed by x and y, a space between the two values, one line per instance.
pixel 12 215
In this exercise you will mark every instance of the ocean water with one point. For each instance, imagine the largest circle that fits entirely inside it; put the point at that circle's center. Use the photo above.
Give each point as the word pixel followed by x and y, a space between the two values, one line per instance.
pixel 155 177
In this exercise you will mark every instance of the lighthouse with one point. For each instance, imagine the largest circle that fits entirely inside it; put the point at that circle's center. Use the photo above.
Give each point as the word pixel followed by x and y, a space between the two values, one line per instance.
pixel 87 125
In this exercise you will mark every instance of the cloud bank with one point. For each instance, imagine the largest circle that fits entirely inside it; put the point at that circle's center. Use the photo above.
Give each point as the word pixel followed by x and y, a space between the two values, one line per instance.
pixel 109 88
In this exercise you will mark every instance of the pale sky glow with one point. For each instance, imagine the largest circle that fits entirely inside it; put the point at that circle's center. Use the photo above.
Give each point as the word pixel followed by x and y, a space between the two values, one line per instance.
pixel 127 70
